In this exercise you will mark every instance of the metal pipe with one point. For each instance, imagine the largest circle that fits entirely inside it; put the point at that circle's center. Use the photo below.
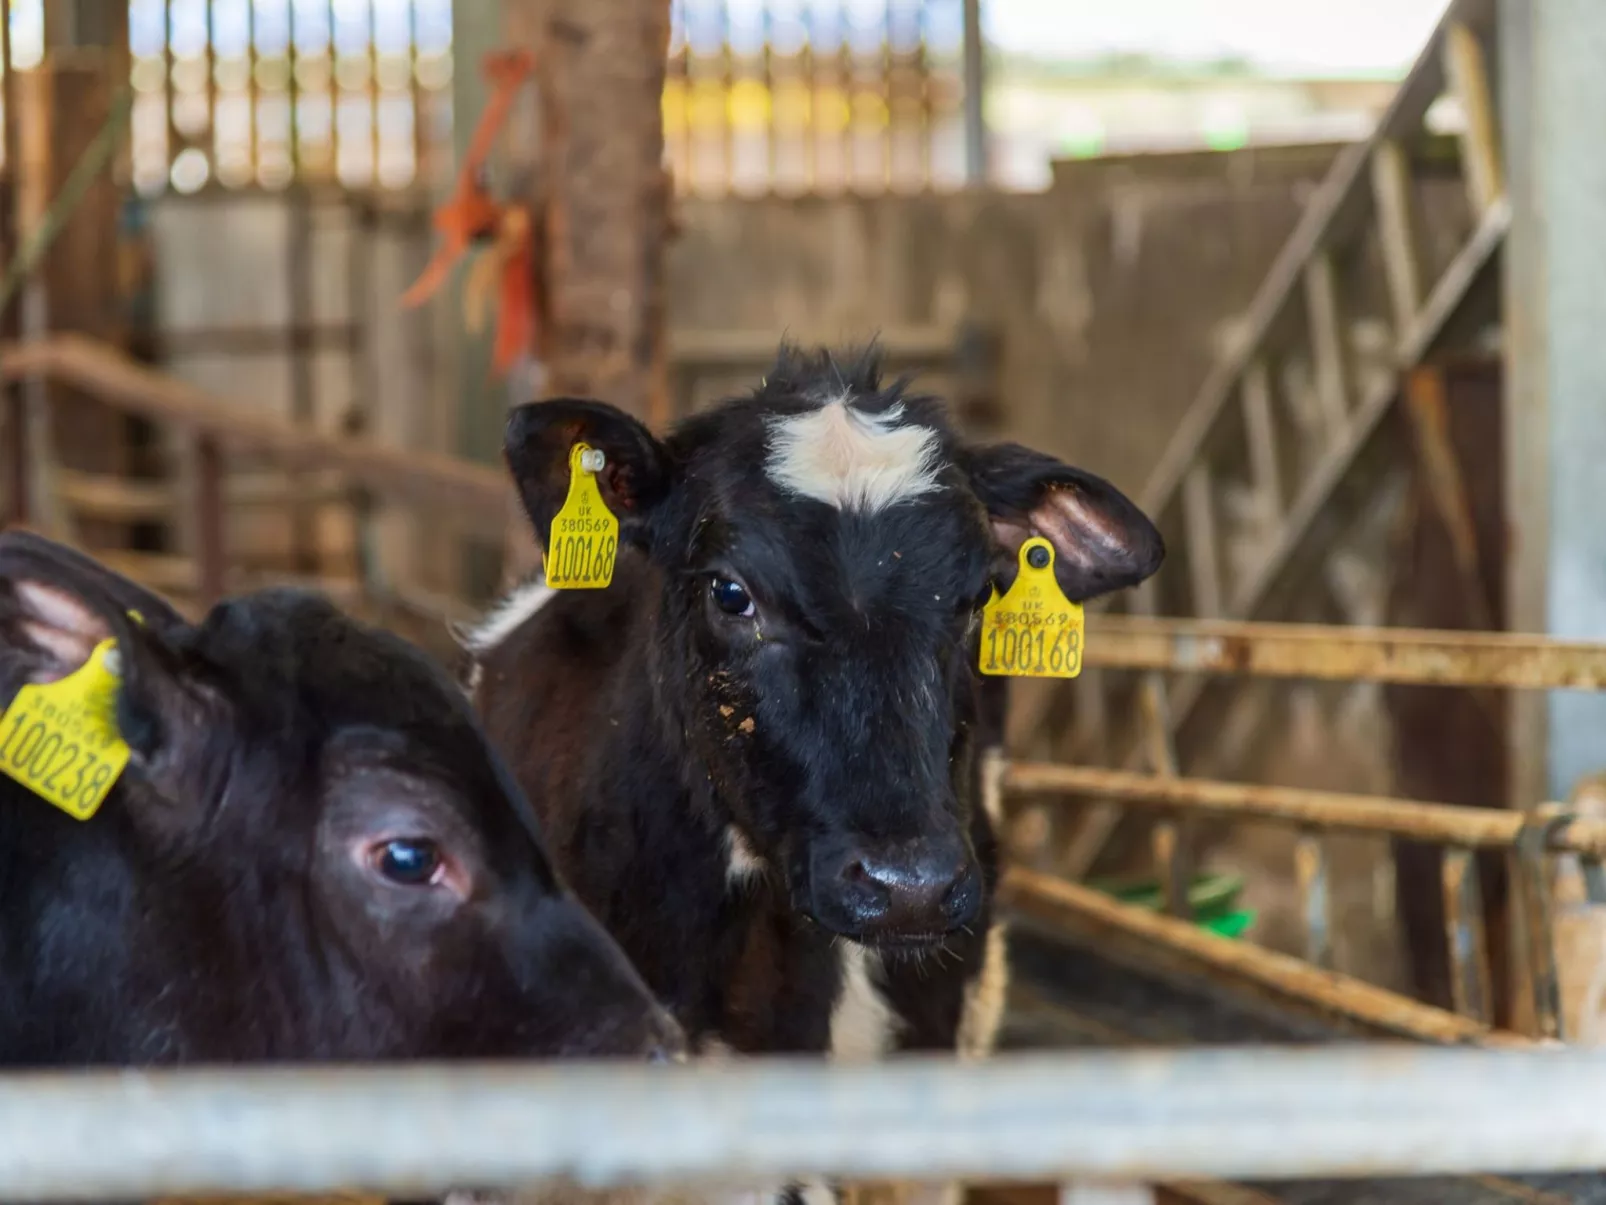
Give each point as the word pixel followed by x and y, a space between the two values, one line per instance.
pixel 975 89
pixel 1484 828
pixel 1401 655
pixel 1257 1114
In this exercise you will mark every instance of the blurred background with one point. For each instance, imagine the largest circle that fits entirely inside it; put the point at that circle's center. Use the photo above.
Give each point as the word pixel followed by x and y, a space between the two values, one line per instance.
pixel 1199 248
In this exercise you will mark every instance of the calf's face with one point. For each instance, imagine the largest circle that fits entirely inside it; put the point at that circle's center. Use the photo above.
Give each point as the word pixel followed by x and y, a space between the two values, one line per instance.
pixel 313 844
pixel 825 549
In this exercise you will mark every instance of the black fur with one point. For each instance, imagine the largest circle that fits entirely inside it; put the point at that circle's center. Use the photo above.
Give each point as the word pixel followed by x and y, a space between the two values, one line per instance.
pixel 844 715
pixel 220 907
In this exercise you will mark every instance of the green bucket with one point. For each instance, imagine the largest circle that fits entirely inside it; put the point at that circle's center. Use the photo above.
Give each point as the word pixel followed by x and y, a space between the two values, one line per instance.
pixel 1213 897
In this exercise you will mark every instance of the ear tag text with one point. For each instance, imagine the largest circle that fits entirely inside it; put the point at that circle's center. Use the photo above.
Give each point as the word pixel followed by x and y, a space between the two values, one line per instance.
pixel 1033 631
pixel 61 740
pixel 584 541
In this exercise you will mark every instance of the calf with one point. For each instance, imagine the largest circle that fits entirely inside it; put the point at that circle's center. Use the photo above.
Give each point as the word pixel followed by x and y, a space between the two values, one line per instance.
pixel 758 748
pixel 313 853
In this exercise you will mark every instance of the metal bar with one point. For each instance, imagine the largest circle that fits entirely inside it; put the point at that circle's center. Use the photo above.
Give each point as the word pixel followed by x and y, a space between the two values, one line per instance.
pixel 975 85
pixel 1172 864
pixel 1484 828
pixel 1470 983
pixel 1310 869
pixel 1334 653
pixel 1255 1113
pixel 1154 943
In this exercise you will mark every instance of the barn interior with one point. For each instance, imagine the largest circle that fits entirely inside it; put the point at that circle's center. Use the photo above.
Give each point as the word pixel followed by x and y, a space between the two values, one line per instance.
pixel 1313 282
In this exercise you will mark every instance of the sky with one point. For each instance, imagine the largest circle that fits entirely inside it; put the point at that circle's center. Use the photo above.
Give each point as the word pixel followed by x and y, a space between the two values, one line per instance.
pixel 1283 35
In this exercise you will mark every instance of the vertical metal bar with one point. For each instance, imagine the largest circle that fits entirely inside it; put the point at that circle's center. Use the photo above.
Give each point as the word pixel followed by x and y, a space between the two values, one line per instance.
pixel 253 135
pixel 1171 865
pixel 1470 984
pixel 1468 75
pixel 1261 432
pixel 1532 879
pixel 170 61
pixel 1204 556
pixel 1327 342
pixel 372 51
pixel 209 519
pixel 211 88
pixel 415 93
pixel 1310 868
pixel 1391 193
pixel 975 84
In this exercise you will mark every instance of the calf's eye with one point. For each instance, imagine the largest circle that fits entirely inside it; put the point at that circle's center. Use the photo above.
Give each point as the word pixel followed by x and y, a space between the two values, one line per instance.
pixel 409 862
pixel 732 597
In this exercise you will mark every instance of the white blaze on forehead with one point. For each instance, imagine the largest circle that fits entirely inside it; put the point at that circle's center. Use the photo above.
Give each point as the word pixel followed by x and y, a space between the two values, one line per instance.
pixel 851 460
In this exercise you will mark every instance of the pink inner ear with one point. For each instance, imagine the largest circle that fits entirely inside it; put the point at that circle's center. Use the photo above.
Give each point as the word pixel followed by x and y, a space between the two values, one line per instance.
pixel 1082 535
pixel 61 626
pixel 1077 530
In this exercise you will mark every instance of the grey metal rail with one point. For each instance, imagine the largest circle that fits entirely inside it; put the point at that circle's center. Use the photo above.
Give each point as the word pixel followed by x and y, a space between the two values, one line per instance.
pixel 1255 1114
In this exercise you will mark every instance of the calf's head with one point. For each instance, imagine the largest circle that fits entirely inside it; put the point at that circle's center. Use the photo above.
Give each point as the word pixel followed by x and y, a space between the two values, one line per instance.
pixel 313 851
pixel 825 547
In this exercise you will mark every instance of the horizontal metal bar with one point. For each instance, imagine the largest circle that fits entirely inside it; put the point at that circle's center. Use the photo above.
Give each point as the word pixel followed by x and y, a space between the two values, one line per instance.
pixel 1147 941
pixel 1259 1114
pixel 1400 655
pixel 1488 828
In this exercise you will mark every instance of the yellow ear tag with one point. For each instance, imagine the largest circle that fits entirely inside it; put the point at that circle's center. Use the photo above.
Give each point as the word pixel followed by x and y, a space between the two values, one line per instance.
pixel 1033 631
pixel 584 541
pixel 61 740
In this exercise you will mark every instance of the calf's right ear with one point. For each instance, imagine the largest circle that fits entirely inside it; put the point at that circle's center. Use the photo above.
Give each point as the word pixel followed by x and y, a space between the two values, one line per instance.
pixel 539 438
pixel 57 605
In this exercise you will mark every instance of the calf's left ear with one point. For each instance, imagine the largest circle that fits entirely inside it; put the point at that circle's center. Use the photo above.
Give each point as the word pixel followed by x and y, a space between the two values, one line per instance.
pixel 1102 541
pixel 537 443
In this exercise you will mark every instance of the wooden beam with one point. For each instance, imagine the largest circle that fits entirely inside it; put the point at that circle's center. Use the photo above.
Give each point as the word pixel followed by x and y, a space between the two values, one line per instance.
pixel 603 198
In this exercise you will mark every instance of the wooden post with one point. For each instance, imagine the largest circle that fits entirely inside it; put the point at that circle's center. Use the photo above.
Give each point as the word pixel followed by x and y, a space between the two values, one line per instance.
pixel 602 196
pixel 63 105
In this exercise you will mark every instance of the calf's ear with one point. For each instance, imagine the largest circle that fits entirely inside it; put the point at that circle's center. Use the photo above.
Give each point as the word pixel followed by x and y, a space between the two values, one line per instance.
pixel 1102 541
pixel 57 606
pixel 539 438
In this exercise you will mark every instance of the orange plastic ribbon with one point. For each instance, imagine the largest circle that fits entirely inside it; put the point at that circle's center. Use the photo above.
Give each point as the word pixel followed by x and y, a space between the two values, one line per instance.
pixel 473 216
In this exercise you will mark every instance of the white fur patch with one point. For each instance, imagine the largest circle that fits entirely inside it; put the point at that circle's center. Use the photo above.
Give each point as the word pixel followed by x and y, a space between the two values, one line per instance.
pixel 507 617
pixel 862 1022
pixel 742 864
pixel 983 1010
pixel 851 460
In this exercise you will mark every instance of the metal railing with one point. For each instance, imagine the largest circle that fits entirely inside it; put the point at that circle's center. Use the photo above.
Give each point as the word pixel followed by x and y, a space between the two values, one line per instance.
pixel 1247 1114
pixel 1526 839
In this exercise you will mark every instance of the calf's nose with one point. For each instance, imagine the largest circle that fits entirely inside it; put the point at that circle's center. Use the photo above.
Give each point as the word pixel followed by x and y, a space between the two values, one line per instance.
pixel 920 888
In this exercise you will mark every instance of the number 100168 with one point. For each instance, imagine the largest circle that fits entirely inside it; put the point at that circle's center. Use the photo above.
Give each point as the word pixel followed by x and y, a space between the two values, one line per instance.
pixel 1031 650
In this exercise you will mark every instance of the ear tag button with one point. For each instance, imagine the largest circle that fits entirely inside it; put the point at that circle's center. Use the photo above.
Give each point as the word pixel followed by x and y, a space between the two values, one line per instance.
pixel 1033 631
pixel 61 740
pixel 584 542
